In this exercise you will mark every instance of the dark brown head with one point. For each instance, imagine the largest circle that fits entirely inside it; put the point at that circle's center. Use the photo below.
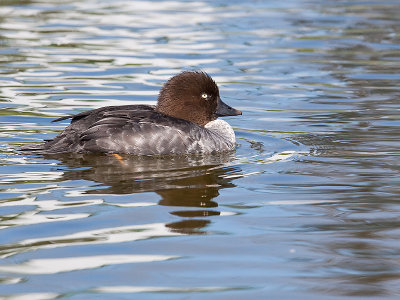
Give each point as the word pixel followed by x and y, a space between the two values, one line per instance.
pixel 193 96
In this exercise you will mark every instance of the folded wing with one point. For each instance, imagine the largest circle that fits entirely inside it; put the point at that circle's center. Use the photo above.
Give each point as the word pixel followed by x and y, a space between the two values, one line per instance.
pixel 135 129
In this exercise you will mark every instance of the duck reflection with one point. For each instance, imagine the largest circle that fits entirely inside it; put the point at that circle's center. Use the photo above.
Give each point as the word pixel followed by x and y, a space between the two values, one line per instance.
pixel 185 181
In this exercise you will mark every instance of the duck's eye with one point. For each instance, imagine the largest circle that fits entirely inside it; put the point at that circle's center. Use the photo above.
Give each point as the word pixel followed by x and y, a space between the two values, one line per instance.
pixel 204 96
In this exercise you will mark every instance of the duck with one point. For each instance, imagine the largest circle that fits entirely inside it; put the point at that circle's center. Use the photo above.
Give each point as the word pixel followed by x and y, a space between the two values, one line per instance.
pixel 184 121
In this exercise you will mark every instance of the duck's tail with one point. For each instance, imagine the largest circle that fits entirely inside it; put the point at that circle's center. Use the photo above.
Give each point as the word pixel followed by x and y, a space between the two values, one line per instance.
pixel 36 148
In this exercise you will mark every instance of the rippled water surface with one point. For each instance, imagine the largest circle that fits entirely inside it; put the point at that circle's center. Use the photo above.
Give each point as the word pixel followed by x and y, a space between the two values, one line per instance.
pixel 308 206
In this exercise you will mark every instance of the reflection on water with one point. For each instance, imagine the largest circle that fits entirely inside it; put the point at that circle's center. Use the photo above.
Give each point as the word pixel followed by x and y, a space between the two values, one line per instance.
pixel 133 174
pixel 307 207
pixel 187 181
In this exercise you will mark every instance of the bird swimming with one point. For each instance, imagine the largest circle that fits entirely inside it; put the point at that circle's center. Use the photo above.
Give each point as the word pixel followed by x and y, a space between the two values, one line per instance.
pixel 184 121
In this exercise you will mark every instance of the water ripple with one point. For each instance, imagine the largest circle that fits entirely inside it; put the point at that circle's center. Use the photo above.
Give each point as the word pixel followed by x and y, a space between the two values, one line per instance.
pixel 69 264
pixel 97 236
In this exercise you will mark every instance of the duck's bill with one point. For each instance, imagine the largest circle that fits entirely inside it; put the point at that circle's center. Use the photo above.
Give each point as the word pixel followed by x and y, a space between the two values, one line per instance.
pixel 225 110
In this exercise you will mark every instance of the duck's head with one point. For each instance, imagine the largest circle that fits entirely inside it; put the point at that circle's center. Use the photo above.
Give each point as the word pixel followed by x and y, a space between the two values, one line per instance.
pixel 193 96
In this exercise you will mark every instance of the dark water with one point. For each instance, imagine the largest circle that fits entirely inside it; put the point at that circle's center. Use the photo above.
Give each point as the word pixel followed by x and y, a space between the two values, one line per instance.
pixel 308 206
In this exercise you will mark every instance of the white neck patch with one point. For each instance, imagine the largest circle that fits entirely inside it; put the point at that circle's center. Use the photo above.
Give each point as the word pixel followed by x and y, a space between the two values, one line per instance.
pixel 223 129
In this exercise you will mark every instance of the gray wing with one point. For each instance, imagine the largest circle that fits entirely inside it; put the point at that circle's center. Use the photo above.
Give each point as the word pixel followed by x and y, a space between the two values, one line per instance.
pixel 135 129
pixel 149 134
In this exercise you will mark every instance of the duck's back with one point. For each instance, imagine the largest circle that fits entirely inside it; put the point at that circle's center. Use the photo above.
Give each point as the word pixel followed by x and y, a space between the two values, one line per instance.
pixel 133 129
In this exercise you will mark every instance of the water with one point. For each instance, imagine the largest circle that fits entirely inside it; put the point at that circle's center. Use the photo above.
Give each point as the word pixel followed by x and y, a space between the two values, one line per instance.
pixel 307 207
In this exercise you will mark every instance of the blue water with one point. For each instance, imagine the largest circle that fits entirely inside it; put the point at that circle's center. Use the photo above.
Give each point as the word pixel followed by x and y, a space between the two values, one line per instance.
pixel 306 208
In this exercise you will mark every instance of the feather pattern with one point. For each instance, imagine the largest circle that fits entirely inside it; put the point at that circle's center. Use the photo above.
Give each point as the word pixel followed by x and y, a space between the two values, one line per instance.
pixel 133 129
